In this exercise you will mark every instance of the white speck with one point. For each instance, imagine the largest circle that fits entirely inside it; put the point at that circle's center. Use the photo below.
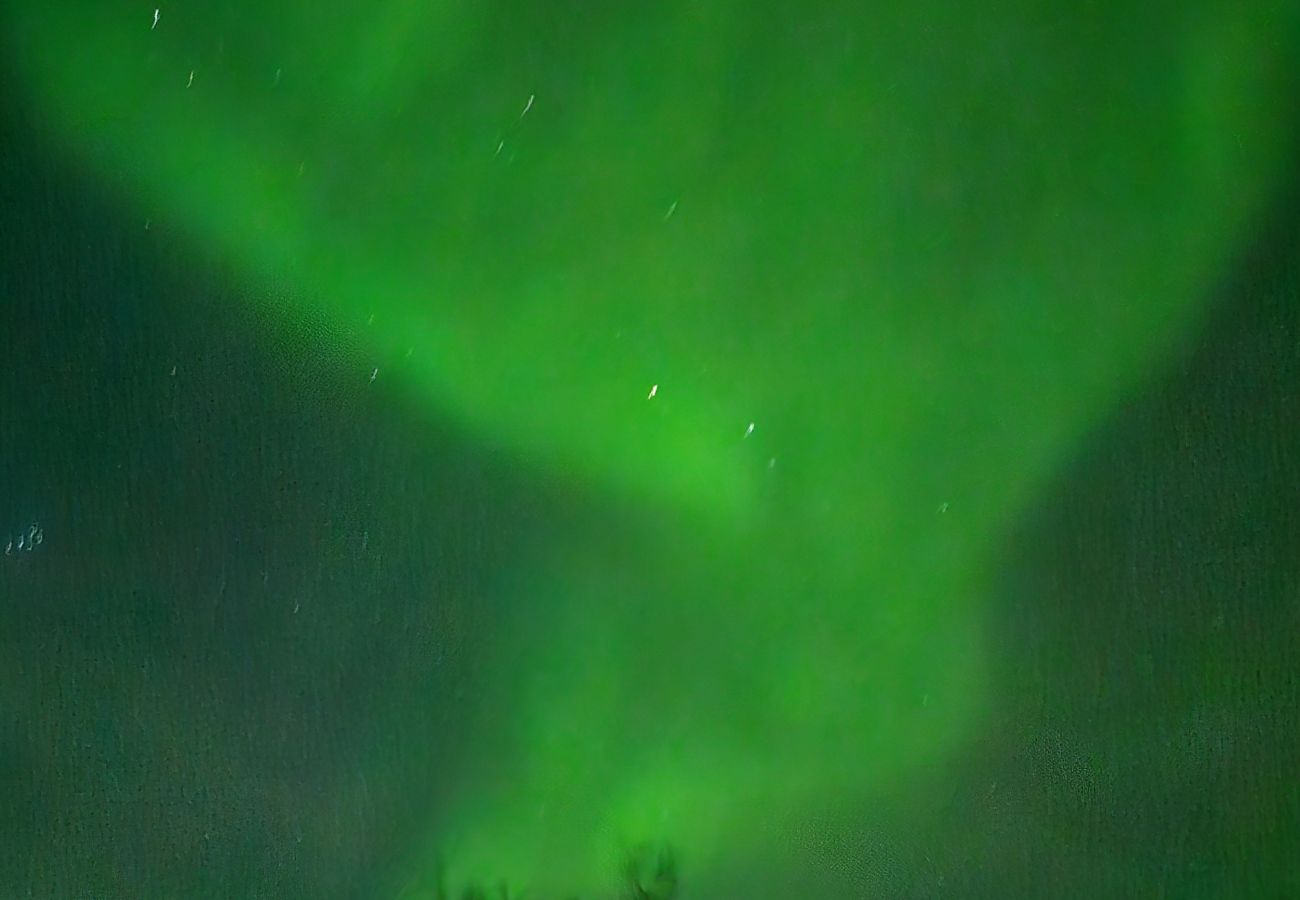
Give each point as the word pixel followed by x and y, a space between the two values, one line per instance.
pixel 296 606
pixel 302 165
pixel 173 371
pixel 9 547
pixel 925 700
pixel 278 73
pixel 654 389
pixel 365 539
pixel 409 351
pixel 749 430
pixel 501 145
pixel 191 81
pixel 147 223
pixel 943 507
pixel 771 463
pixel 371 320
pixel 671 209
pixel 374 374
pixel 156 14
pixel 529 105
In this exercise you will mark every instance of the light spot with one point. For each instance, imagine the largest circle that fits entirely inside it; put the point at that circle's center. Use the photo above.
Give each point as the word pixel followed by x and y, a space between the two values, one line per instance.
pixel 749 430
pixel 501 145
pixel 156 14
pixel 191 81
pixel 528 106
pixel 371 320
pixel 374 374
pixel 26 541
pixel 173 371
pixel 943 507
pixel 671 209
pixel 654 389
pixel 771 463
pixel 278 73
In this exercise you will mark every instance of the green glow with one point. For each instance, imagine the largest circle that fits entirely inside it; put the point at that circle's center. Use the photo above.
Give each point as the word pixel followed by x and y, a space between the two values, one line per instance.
pixel 921 251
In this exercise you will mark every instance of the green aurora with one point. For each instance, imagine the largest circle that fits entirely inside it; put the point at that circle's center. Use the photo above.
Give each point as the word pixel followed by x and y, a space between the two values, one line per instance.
pixel 922 250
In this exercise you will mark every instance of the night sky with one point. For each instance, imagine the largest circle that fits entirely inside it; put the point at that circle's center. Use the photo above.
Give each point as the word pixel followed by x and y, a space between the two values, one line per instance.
pixel 690 451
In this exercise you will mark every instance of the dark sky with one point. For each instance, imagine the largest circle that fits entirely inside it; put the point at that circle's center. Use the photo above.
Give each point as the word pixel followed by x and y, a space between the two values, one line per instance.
pixel 248 567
